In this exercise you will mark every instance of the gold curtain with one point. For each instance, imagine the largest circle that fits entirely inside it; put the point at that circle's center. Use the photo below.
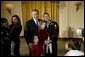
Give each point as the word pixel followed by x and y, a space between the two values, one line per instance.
pixel 51 7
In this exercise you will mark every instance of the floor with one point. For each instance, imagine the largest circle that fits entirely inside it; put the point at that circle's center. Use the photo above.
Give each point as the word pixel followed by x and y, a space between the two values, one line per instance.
pixel 24 50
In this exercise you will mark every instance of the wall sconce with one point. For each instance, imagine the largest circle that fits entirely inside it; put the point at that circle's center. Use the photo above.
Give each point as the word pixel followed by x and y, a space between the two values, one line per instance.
pixel 78 4
pixel 62 4
pixel 80 31
pixel 9 8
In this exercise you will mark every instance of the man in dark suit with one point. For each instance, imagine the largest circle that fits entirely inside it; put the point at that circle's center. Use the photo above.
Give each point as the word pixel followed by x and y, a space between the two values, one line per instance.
pixel 53 30
pixel 31 26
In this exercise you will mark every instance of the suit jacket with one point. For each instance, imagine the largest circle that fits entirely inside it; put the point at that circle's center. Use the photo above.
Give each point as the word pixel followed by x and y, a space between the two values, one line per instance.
pixel 30 30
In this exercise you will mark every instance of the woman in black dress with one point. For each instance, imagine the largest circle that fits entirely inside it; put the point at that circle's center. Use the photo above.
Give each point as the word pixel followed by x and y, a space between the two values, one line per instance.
pixel 15 29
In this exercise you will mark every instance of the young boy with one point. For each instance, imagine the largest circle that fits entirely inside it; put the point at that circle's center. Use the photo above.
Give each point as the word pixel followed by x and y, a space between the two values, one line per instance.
pixel 48 47
pixel 35 47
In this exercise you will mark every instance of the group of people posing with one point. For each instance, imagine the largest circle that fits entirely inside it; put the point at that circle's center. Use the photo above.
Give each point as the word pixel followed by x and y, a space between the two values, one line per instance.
pixel 41 35
pixel 10 42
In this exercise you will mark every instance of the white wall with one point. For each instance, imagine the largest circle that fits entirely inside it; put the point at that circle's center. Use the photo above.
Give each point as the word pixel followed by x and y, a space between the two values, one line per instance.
pixel 63 20
pixel 68 16
pixel 16 10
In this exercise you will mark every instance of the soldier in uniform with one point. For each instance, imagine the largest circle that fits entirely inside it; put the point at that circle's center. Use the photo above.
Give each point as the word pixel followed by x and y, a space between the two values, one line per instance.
pixel 53 30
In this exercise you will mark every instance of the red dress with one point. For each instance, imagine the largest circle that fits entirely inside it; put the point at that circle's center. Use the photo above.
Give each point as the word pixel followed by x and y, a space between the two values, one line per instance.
pixel 36 50
pixel 43 35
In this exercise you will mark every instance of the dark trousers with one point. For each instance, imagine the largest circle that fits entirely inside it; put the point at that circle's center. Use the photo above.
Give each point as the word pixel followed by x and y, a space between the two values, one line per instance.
pixel 54 46
pixel 5 50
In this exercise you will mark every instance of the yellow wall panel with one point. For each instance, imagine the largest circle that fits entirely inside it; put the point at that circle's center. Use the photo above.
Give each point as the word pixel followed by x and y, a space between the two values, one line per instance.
pixel 43 6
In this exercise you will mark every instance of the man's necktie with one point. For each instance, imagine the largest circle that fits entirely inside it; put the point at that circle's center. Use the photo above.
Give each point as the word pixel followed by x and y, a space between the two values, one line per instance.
pixel 37 22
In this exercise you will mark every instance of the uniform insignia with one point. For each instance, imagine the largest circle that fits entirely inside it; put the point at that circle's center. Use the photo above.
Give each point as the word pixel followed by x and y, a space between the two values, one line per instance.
pixel 55 25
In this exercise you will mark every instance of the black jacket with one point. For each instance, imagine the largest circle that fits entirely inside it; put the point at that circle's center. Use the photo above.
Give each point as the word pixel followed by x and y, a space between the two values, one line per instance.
pixel 30 30
pixel 53 30
pixel 15 32
pixel 5 36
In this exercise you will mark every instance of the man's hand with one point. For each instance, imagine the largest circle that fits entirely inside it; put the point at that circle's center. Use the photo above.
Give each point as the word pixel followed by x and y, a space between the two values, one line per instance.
pixel 30 45
pixel 46 42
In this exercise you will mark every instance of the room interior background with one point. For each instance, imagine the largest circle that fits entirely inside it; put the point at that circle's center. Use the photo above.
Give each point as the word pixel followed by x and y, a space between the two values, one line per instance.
pixel 51 7
pixel 68 14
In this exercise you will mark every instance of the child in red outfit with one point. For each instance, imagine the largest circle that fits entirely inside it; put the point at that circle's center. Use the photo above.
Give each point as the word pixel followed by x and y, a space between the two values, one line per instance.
pixel 44 39
pixel 35 47
pixel 42 33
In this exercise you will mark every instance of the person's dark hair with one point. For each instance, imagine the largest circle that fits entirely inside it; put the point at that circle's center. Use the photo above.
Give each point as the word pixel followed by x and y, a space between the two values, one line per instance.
pixel 35 10
pixel 45 13
pixel 34 36
pixel 75 45
pixel 17 17
pixel 3 20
